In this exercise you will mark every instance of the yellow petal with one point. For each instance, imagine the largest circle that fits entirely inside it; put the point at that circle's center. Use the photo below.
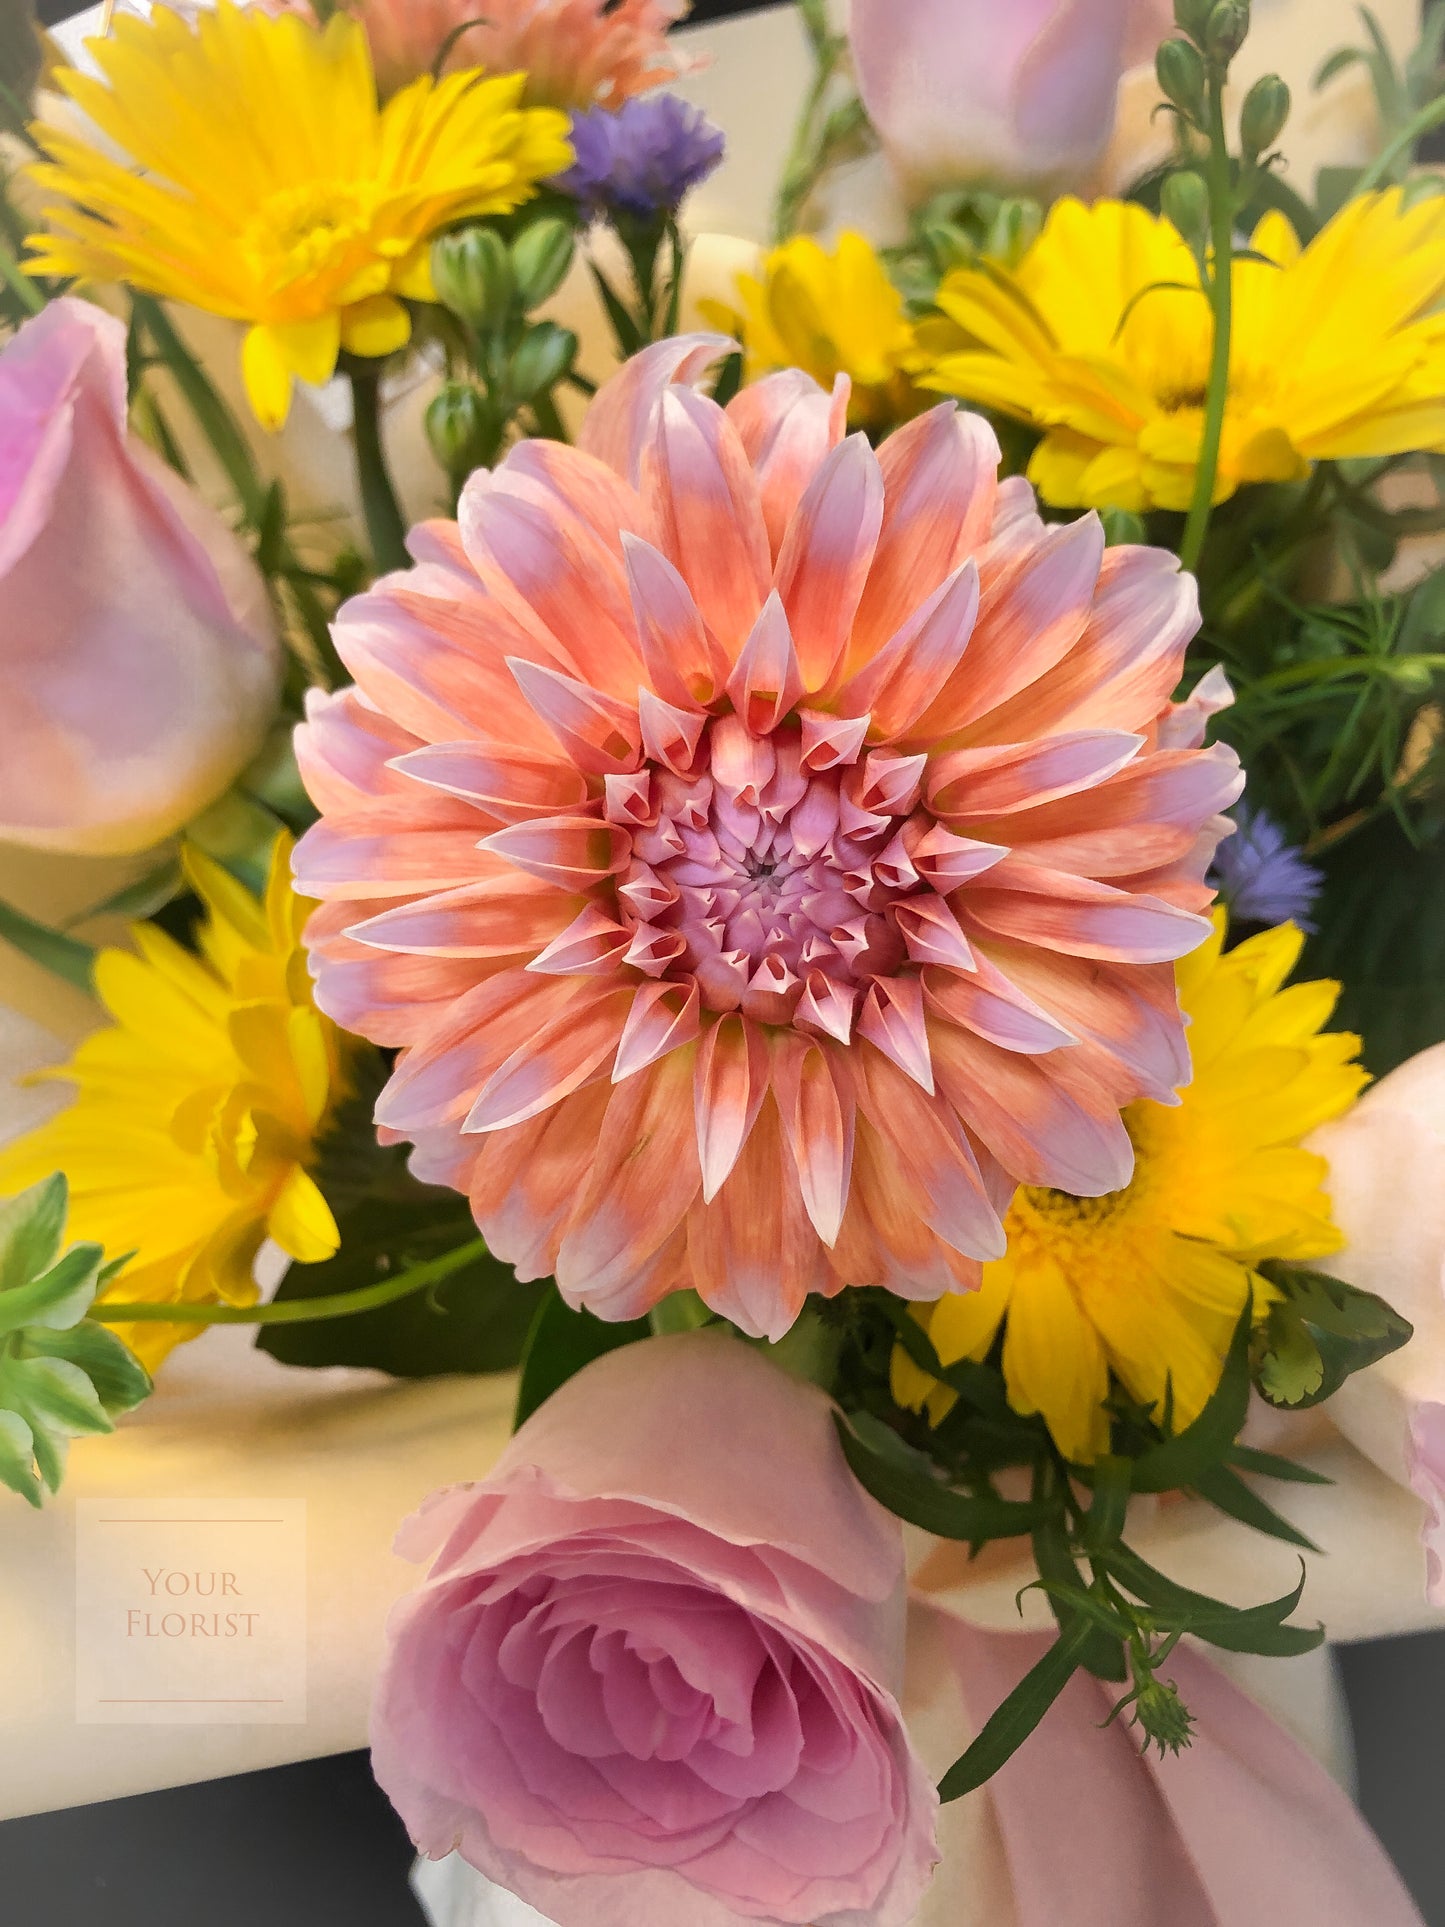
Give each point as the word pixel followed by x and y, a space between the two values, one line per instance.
pixel 374 327
pixel 267 377
pixel 301 1221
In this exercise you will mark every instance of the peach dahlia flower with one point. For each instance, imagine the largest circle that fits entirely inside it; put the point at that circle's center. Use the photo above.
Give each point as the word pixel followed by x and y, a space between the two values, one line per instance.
pixel 765 852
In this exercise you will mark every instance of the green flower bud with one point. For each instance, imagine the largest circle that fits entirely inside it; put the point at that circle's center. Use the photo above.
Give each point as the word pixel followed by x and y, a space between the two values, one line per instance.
pixel 1263 115
pixel 1192 17
pixel 1122 526
pixel 1227 27
pixel 1180 69
pixel 1184 200
pixel 544 356
pixel 458 428
pixel 472 272
pixel 1165 1719
pixel 1013 231
pixel 541 256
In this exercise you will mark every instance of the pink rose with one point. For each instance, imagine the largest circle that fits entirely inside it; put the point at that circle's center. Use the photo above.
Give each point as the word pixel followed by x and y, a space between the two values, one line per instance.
pixel 651 1677
pixel 967 90
pixel 139 655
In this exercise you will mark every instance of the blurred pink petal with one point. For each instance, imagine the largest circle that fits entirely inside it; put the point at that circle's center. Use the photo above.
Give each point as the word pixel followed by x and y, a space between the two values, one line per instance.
pixel 141 661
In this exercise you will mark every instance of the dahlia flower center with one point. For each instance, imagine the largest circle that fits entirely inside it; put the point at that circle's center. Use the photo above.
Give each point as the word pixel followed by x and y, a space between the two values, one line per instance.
pixel 769 865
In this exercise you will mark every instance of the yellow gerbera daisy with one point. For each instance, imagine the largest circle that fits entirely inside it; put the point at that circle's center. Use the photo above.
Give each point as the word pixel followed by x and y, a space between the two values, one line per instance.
pixel 272 188
pixel 197 1112
pixel 830 314
pixel 1101 338
pixel 1147 1284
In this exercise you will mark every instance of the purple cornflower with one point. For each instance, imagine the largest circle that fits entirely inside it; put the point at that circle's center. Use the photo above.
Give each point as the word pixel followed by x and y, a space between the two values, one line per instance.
pixel 1261 877
pixel 642 159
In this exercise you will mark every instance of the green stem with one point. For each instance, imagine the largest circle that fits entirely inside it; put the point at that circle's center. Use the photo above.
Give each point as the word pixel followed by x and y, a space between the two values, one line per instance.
pixel 19 282
pixel 297 1311
pixel 549 422
pixel 1383 166
pixel 385 525
pixel 1221 300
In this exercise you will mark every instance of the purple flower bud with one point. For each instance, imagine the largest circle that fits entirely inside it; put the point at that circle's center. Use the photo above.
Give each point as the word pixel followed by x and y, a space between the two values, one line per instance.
pixel 1261 877
pixel 641 160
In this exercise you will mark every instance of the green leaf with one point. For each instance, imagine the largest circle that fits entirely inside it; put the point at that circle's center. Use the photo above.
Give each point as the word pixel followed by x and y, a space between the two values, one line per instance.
pixel 1180 1462
pixel 1227 1490
pixel 1247 1458
pixel 141 899
pixel 59 1298
pixel 121 1382
pixel 1062 1581
pixel 1234 1629
pixel 1010 1724
pixel 31 1226
pixel 910 1490
pixel 474 1321
pixel 1110 1509
pixel 17 1457
pixel 1319 1334
pixel 561 1341
pixel 63 956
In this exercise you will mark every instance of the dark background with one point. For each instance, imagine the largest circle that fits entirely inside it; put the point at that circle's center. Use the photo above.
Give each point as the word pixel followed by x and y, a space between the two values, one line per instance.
pixel 316 1845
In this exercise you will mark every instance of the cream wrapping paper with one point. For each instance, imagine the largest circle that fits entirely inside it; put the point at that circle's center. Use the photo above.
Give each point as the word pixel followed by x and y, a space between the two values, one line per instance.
pixel 361 1450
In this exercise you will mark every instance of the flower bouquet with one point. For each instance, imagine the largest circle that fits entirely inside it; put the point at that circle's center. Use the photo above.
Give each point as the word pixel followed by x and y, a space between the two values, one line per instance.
pixel 826 899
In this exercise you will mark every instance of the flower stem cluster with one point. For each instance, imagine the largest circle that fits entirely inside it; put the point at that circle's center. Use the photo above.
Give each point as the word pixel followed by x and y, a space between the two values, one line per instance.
pixel 506 364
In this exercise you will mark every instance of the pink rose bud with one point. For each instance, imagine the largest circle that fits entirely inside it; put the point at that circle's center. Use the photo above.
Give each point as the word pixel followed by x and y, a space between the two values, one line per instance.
pixel 1014 94
pixel 651 1677
pixel 139 654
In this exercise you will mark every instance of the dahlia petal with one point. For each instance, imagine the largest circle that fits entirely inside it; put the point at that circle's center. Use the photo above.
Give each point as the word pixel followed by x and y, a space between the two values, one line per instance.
pixel 592 945
pixel 826 555
pixel 898 684
pixel 510 785
pixel 704 497
pixel 1056 911
pixel 392 999
pixel 555 1061
pixel 730 1084
pixel 1145 817
pixel 578 483
pixel 598 732
pixel 572 852
pixel 502 916
pixel 932 1175
pixel 1129 1012
pixel 892 1020
pixel 662 1017
pixel 525 1182
pixel 622 419
pixel 439 670
pixel 334 858
pixel 669 735
pixel 1038 1130
pixel 773 993
pixel 968 785
pixel 767 679
pixel 827 1006
pixel 1030 616
pixel 684 663
pixel 940 481
pixel 554 575
pixel 1184 725
pixel 754 1254
pixel 627 800
pixel 787 425
pixel 436 1082
pixel 989 1004
pixel 948 861
pixel 1016 526
pixel 654 951
pixel 830 742
pixel 1126 664
pixel 932 935
pixel 743 762
pixel 644 1177
pixel 817 1108
pixel 344 750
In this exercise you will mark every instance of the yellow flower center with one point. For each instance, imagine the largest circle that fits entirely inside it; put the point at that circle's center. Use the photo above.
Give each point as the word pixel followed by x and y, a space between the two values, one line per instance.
pixel 311 232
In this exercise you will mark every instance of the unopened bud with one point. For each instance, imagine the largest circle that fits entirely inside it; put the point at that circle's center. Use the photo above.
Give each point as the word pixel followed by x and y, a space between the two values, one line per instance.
pixel 472 273
pixel 541 256
pixel 458 428
pixel 1192 17
pixel 1013 231
pixel 1263 115
pixel 1226 29
pixel 1184 200
pixel 1122 527
pixel 1166 1721
pixel 545 354
pixel 1179 66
